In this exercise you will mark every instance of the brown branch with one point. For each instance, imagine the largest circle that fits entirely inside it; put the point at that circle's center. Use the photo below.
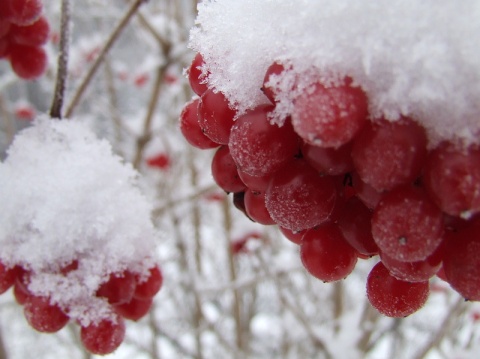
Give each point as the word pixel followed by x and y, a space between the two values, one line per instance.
pixel 57 103
pixel 98 61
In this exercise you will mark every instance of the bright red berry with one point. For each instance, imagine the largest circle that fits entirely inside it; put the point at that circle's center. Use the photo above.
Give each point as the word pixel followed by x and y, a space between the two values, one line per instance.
pixel 389 154
pixel 44 316
pixel 28 62
pixel 224 171
pixel 191 128
pixel 35 34
pixel 104 337
pixel 151 286
pixel 452 179
pixel 393 297
pixel 406 225
pixel 196 77
pixel 260 148
pixel 119 288
pixel 135 309
pixel 25 12
pixel 325 253
pixel 330 116
pixel 299 198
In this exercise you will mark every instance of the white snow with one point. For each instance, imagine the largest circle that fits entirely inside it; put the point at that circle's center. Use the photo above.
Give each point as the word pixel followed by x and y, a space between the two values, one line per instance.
pixel 65 196
pixel 416 58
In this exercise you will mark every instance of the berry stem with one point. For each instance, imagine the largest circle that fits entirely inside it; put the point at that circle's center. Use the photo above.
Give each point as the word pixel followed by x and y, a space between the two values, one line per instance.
pixel 101 56
pixel 57 103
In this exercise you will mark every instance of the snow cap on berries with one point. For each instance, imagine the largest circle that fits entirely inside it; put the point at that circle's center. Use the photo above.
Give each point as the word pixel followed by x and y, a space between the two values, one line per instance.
pixel 67 198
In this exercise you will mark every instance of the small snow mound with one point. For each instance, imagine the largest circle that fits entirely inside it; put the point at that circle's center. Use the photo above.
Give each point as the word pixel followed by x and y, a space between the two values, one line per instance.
pixel 66 198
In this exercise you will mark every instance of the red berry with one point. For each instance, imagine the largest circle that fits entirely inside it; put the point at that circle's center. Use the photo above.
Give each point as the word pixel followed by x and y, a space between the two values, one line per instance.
pixel 196 77
pixel 329 161
pixel 104 337
pixel 406 225
pixel 299 198
pixel 28 62
pixel 452 179
pixel 255 183
pixel 135 309
pixel 215 116
pixel 393 297
pixel 119 288
pixel 4 27
pixel 354 223
pixel 35 34
pixel 388 154
pixel 25 12
pixel 293 236
pixel 191 128
pixel 7 277
pixel 44 316
pixel 255 207
pixel 151 286
pixel 329 116
pixel 260 148
pixel 461 261
pixel 25 112
pixel 418 271
pixel 224 171
pixel 325 253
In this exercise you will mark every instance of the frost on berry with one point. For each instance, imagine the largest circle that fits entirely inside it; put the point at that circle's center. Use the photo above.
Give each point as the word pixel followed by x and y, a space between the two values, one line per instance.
pixel 329 116
pixel 393 297
pixel 298 197
pixel 389 154
pixel 452 179
pixel 406 225
pixel 260 148
pixel 73 217
pixel 103 337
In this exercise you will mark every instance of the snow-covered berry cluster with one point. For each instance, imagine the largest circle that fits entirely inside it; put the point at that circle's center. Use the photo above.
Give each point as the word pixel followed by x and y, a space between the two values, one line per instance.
pixel 344 185
pixel 23 32
pixel 76 240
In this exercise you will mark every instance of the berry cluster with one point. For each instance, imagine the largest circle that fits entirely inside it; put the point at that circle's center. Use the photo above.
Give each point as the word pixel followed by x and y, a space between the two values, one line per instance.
pixel 129 295
pixel 23 32
pixel 344 186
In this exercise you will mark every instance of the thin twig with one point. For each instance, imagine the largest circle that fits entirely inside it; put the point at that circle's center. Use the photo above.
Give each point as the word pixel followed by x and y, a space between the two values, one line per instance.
pixel 108 45
pixel 57 103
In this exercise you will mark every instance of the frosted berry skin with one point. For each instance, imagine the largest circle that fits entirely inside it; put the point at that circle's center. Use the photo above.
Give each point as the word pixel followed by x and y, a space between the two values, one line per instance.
pixel 28 62
pixel 135 309
pixel 329 116
pixel 148 288
pixel 325 253
pixel 406 225
pixel 35 34
pixel 190 127
pixel 119 288
pixel 43 316
pixel 103 337
pixel 461 261
pixel 452 179
pixel 260 148
pixel 224 171
pixel 215 116
pixel 418 271
pixel 24 12
pixel 195 76
pixel 393 297
pixel 389 154
pixel 299 198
